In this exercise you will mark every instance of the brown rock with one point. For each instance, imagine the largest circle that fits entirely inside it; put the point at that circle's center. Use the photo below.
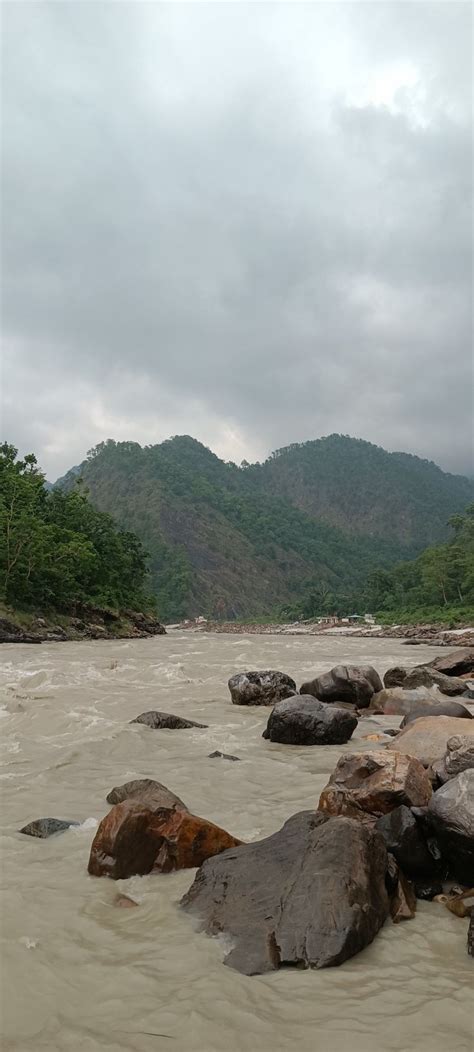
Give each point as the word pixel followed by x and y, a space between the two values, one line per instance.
pixel 424 676
pixel 395 701
pixel 458 663
pixel 403 902
pixel 311 895
pixel 352 683
pixel 133 839
pixel 146 791
pixel 462 905
pixel 427 737
pixel 368 785
pixel 124 902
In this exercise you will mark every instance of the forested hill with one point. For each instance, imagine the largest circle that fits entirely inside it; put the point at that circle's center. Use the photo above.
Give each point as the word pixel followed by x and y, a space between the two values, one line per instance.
pixel 244 541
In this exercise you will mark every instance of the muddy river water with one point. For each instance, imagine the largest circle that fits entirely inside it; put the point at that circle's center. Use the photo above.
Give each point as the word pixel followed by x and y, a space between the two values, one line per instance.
pixel 79 974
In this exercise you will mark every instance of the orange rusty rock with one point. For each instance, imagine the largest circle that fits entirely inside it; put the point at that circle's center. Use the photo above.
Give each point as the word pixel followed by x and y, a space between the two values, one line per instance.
pixel 368 785
pixel 134 839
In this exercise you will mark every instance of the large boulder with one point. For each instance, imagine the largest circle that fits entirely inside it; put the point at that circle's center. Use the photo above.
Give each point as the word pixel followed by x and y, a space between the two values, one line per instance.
pixel 424 676
pixel 312 895
pixel 395 701
pixel 395 677
pixel 421 709
pixel 427 737
pixel 303 720
pixel 368 785
pixel 457 663
pixel 165 721
pixel 146 791
pixel 353 683
pixel 260 688
pixel 459 754
pixel 450 816
pixel 134 839
pixel 45 827
pixel 404 839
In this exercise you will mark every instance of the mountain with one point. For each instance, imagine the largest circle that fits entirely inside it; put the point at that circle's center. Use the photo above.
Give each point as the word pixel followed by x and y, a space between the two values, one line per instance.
pixel 243 541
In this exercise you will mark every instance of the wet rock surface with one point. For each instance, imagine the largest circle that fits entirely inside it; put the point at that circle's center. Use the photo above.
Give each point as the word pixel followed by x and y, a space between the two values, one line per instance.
pixel 368 785
pixel 260 688
pixel 427 738
pixel 354 683
pixel 145 790
pixel 165 721
pixel 425 676
pixel 273 898
pixel 403 900
pixel 404 839
pixel 217 755
pixel 133 839
pixel 450 816
pixel 302 720
pixel 45 827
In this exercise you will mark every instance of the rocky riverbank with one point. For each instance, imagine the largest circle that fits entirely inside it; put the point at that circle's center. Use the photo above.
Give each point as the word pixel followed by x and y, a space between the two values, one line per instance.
pixel 432 635
pixel 88 623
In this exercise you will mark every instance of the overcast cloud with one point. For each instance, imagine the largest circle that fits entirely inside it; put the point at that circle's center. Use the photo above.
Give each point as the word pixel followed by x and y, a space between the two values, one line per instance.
pixel 251 223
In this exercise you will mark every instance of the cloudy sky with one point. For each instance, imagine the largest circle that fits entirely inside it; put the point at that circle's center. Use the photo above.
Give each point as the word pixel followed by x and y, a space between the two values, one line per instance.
pixel 247 222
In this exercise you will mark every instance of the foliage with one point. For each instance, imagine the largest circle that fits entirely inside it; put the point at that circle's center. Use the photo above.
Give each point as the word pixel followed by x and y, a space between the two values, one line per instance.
pixel 439 585
pixel 57 550
pixel 301 532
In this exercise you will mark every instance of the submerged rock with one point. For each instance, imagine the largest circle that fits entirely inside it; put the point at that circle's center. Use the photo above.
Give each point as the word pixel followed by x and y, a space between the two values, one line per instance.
pixel 368 785
pixel 427 737
pixel 45 827
pixel 222 756
pixel 353 683
pixel 260 688
pixel 146 790
pixel 133 839
pixel 165 721
pixel 470 936
pixel 302 720
pixel 450 816
pixel 274 898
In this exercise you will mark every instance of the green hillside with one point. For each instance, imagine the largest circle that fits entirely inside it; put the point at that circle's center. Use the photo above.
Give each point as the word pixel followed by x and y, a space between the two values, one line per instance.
pixel 244 541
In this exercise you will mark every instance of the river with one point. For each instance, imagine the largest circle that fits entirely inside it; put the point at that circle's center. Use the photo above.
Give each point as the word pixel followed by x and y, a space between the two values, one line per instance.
pixel 80 974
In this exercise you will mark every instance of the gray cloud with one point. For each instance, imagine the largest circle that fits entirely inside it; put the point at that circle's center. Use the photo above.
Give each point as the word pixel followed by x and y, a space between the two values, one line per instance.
pixel 249 222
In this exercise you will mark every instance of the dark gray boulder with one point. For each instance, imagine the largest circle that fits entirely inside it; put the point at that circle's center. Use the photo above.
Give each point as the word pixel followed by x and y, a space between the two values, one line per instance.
pixel 424 676
pixel 303 720
pixel 45 827
pixel 459 754
pixel 165 721
pixel 395 677
pixel 312 895
pixel 427 891
pixel 436 708
pixel 260 688
pixel 404 839
pixel 456 663
pixel 147 791
pixel 450 816
pixel 470 936
pixel 222 756
pixel 353 683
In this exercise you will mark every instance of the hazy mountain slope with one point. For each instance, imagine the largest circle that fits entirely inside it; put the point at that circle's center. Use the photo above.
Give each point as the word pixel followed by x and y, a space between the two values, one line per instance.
pixel 242 541
pixel 363 489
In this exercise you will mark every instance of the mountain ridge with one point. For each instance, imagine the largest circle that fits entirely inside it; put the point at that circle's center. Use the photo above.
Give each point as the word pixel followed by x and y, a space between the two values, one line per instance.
pixel 236 541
